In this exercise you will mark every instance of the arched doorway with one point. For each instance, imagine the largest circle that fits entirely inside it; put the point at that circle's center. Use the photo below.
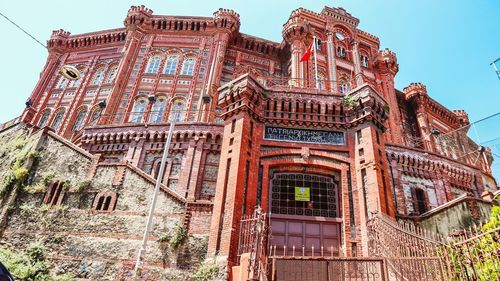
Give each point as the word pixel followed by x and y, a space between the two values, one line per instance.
pixel 304 215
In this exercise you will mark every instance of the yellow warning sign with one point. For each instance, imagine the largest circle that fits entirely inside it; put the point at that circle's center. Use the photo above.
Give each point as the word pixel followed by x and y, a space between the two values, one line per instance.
pixel 302 194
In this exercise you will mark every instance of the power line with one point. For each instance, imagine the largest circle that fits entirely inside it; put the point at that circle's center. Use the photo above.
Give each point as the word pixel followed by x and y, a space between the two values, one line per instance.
pixel 26 32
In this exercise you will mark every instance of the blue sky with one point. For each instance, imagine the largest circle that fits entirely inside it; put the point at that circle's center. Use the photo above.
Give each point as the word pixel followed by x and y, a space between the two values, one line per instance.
pixel 447 45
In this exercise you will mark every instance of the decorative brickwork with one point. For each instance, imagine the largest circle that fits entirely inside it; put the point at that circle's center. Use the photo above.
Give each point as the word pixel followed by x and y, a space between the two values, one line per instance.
pixel 248 116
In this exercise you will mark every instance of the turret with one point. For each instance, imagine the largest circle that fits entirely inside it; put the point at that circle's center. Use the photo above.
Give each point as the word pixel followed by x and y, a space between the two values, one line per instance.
pixel 463 117
pixel 138 17
pixel 386 61
pixel 414 90
pixel 227 20
pixel 58 39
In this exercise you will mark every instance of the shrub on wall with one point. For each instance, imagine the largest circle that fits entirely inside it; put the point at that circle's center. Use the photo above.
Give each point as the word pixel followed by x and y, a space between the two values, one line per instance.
pixel 30 265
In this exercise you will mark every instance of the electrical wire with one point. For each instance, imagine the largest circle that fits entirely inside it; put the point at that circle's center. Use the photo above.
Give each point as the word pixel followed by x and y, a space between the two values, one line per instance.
pixel 26 32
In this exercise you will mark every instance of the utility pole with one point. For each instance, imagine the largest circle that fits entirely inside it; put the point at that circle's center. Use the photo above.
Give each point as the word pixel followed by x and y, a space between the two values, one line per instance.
pixel 142 251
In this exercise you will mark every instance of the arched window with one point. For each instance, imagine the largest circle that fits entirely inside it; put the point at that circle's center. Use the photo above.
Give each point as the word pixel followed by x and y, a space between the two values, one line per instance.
pixel 188 66
pixel 80 117
pixel 177 111
pixel 105 201
pixel 341 53
pixel 56 123
pixel 62 83
pixel 171 65
pixel 364 61
pixel 153 64
pixel 137 114
pixel 343 88
pixel 157 110
pixel 94 117
pixel 111 74
pixel 43 120
pixel 98 77
pixel 321 81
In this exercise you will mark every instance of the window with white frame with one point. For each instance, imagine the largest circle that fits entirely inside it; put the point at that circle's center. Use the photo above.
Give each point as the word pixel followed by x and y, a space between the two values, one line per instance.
pixel 343 88
pixel 56 123
pixel 177 111
pixel 43 120
pixel 341 53
pixel 158 110
pixel 137 114
pixel 364 61
pixel 80 117
pixel 153 64
pixel 112 74
pixel 98 77
pixel 171 65
pixel 188 66
pixel 62 83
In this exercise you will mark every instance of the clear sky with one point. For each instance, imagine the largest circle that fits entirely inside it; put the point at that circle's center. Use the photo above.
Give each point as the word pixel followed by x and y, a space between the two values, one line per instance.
pixel 448 44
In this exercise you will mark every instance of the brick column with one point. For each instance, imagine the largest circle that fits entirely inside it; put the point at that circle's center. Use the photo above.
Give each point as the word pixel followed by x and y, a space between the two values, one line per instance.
pixel 332 67
pixel 357 64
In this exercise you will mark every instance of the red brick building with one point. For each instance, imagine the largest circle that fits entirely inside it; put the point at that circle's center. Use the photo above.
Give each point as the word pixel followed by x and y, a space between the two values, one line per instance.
pixel 254 127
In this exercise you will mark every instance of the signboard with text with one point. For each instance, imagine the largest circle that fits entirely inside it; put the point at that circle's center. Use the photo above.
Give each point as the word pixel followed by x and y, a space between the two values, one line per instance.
pixel 304 135
pixel 302 194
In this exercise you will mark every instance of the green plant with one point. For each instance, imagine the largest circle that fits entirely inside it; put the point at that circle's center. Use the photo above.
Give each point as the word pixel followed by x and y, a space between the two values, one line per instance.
pixel 26 209
pixel 39 187
pixel 349 102
pixel 207 271
pixel 45 207
pixel 179 236
pixel 83 185
pixel 163 238
pixel 30 265
pixel 48 177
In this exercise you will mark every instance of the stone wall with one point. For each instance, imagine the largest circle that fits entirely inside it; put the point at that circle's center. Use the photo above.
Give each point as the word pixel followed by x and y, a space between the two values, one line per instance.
pixel 95 244
pixel 458 214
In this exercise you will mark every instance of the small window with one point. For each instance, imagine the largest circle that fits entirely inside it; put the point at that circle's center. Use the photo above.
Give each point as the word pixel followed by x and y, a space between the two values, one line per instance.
pixel 153 65
pixel 98 77
pixel 137 114
pixel 359 137
pixel 158 110
pixel 318 45
pixel 188 66
pixel 80 117
pixel 233 125
pixel 105 201
pixel 54 194
pixel 421 201
pixel 343 88
pixel 177 111
pixel 321 82
pixel 341 53
pixel 361 153
pixel 112 74
pixel 95 116
pixel 56 123
pixel 63 82
pixel 364 61
pixel 171 65
pixel 43 120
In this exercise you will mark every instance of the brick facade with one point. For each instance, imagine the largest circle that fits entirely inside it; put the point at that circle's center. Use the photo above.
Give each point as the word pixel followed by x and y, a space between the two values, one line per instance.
pixel 226 89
